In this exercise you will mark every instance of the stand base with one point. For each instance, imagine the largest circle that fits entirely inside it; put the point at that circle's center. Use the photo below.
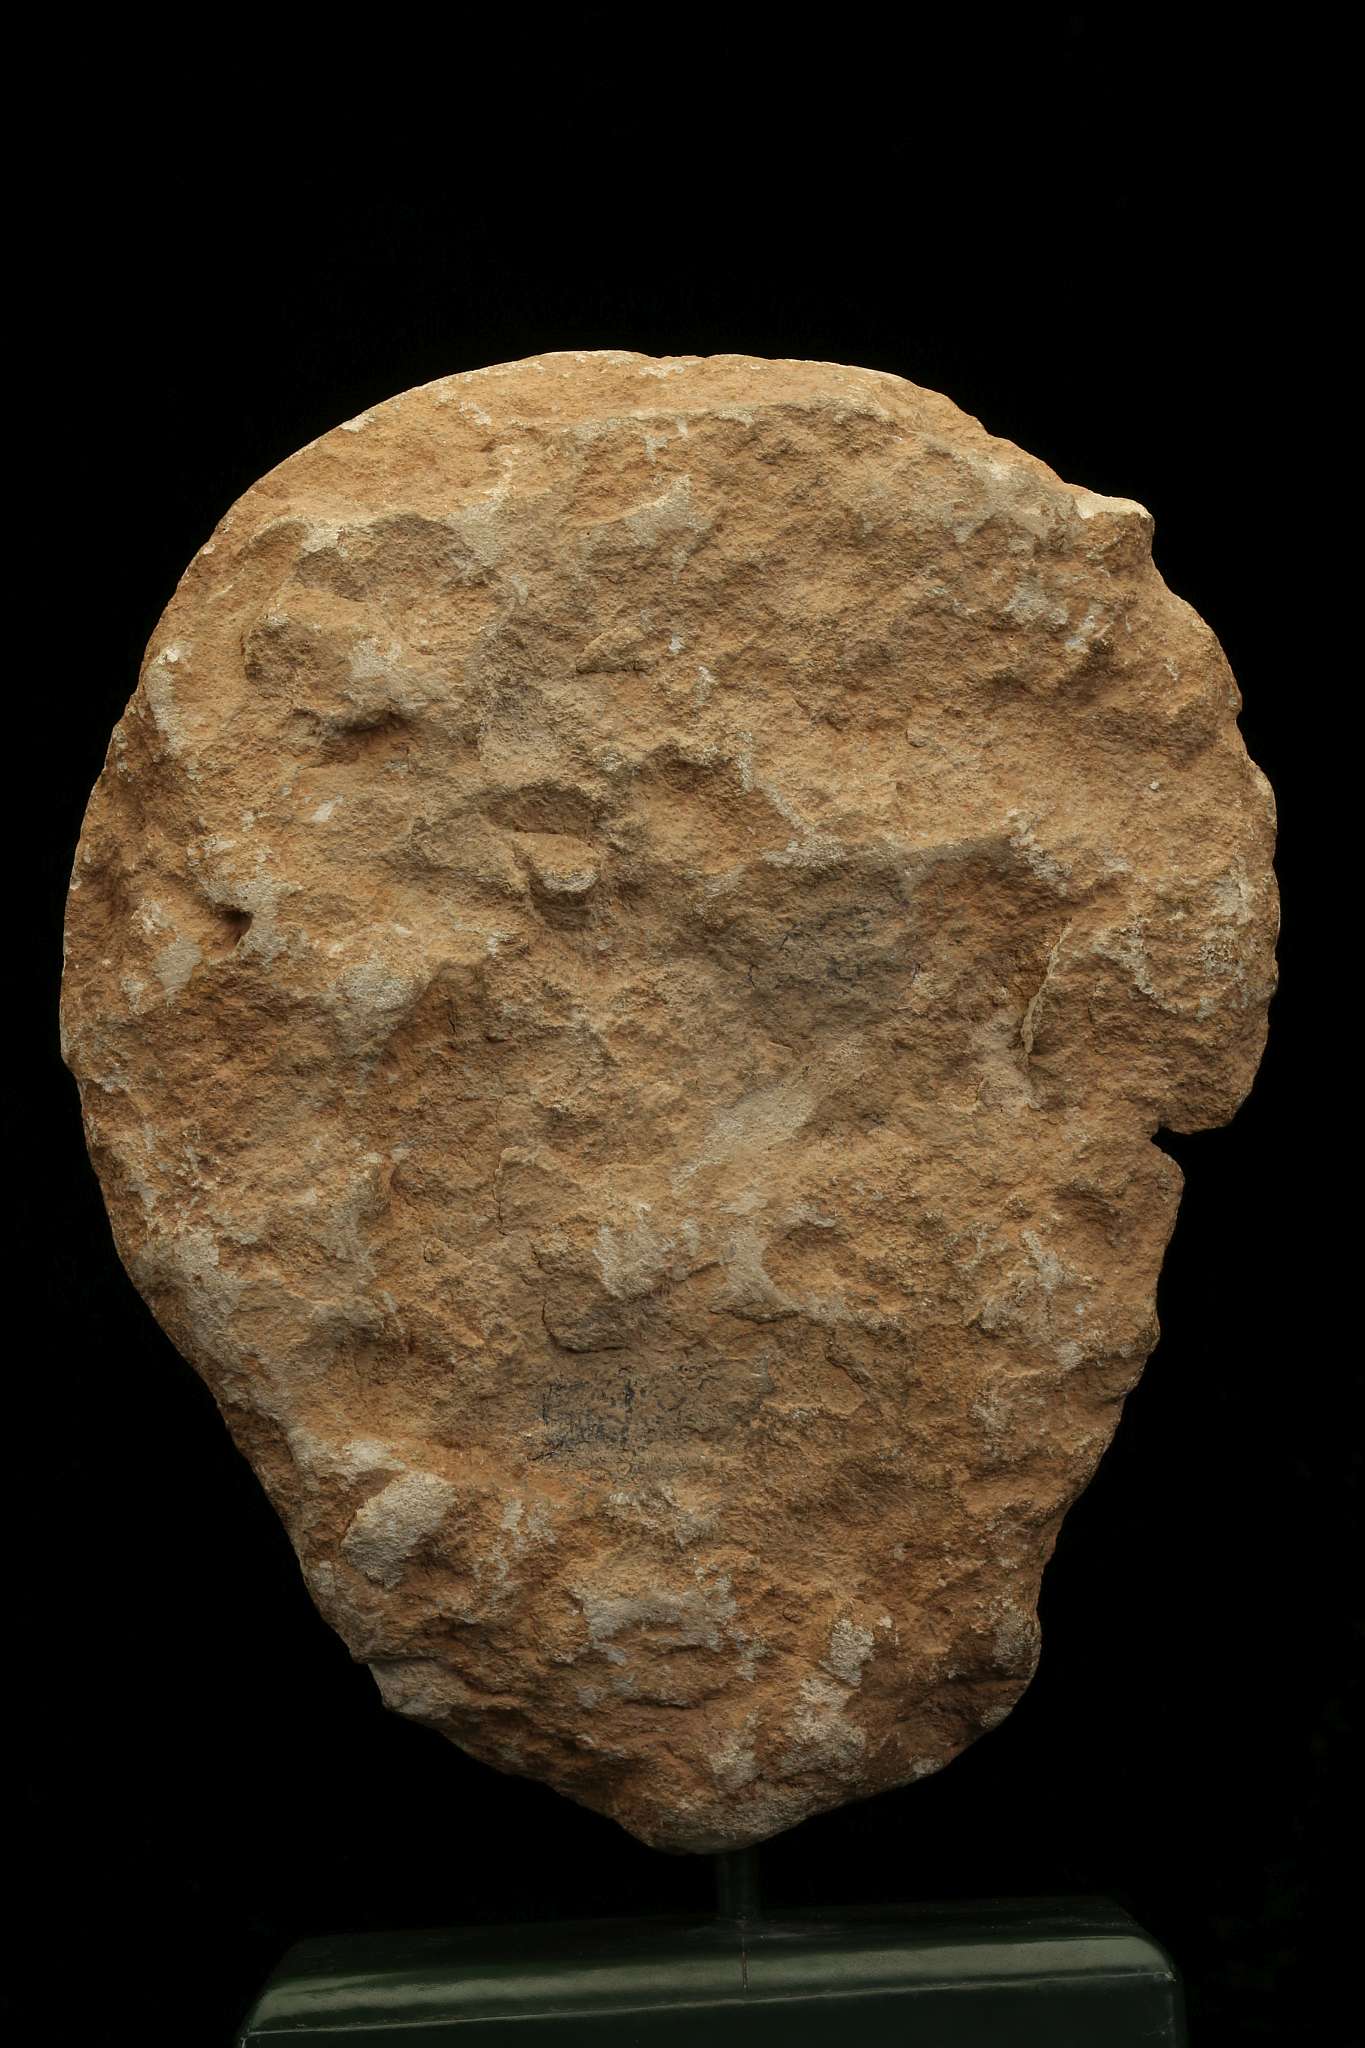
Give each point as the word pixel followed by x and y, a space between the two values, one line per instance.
pixel 1002 1975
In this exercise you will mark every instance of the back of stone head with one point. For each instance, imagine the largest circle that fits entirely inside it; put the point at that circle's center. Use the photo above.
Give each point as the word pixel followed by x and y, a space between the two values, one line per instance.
pixel 623 969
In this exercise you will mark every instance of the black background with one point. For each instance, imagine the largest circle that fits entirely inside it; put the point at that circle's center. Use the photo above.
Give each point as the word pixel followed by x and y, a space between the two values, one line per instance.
pixel 1124 279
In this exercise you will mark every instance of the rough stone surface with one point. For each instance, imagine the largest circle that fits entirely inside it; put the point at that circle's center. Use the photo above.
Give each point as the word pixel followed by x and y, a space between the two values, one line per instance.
pixel 623 968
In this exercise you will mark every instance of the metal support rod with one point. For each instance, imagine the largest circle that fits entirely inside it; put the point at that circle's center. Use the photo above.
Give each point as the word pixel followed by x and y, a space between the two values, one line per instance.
pixel 737 1895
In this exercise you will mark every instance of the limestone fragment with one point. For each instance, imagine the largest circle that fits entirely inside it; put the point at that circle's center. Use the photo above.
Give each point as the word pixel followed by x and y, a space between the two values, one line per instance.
pixel 623 970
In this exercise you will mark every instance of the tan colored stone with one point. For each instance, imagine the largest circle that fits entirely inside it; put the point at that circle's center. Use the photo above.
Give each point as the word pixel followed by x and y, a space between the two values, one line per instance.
pixel 623 968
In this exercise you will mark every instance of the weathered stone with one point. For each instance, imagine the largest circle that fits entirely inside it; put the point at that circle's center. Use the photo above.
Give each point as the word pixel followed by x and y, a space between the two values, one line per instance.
pixel 623 969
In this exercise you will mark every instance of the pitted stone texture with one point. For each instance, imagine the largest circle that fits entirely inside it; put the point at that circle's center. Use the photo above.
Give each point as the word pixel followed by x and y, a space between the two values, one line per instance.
pixel 623 968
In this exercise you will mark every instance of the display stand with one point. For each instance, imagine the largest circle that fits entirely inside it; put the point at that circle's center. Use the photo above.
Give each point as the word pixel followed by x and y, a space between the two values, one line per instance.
pixel 1003 1974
